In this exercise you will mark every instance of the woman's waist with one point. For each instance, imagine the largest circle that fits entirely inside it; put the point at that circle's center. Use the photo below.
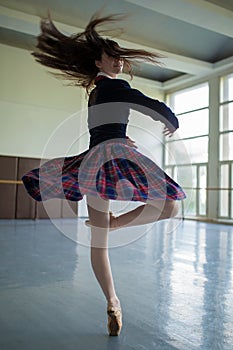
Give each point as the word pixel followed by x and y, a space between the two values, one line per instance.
pixel 107 132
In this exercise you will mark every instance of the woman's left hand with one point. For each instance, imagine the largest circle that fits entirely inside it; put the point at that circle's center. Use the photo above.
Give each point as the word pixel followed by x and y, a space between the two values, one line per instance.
pixel 130 142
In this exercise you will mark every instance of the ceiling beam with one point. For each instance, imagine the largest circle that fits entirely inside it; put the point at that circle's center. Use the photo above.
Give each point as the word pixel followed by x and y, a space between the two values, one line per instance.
pixel 14 20
pixel 173 61
pixel 219 68
pixel 197 12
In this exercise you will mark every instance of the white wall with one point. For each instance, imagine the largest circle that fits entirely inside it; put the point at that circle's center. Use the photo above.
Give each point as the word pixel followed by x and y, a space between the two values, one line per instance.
pixel 34 104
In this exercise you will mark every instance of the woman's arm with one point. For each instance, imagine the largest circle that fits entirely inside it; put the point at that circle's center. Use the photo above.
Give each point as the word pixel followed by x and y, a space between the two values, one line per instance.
pixel 155 109
pixel 118 90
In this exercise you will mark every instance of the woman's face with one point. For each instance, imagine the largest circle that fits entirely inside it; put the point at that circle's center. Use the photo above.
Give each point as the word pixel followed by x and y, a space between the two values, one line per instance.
pixel 110 65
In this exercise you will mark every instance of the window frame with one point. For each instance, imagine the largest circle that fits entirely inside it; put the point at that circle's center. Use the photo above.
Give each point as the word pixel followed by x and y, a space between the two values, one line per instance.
pixel 224 100
pixel 170 100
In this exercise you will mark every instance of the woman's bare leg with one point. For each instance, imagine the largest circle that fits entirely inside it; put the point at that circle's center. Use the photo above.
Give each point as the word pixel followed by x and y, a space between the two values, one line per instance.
pixel 98 210
pixel 145 214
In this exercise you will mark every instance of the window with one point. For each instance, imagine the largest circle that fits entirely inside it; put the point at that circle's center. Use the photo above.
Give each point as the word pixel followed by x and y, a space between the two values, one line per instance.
pixel 186 154
pixel 226 148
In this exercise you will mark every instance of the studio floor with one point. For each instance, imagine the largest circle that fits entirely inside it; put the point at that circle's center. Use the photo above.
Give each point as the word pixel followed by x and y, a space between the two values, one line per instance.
pixel 175 286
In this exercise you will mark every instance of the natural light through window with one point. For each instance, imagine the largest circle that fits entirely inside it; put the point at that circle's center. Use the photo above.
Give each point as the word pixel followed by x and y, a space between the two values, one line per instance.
pixel 192 109
pixel 226 148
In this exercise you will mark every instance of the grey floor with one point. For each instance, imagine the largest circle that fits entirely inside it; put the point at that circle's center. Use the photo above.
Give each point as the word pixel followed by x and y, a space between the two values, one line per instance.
pixel 176 289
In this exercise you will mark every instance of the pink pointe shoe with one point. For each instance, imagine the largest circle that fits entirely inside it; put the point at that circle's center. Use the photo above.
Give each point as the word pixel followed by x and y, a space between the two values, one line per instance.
pixel 114 320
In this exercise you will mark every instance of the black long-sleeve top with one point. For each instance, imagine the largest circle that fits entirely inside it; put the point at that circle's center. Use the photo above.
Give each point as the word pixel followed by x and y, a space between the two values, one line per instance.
pixel 109 107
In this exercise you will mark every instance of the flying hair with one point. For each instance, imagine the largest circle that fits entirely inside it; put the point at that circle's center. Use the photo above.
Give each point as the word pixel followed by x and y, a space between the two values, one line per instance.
pixel 75 55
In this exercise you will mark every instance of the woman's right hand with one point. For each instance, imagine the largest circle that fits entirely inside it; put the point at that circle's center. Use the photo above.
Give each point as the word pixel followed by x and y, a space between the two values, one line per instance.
pixel 168 131
pixel 130 142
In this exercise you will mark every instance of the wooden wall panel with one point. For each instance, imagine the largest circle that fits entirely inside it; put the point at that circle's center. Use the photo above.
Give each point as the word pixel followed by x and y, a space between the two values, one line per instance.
pixel 69 209
pixel 49 209
pixel 15 202
pixel 25 205
pixel 7 201
pixel 8 172
pixel 8 168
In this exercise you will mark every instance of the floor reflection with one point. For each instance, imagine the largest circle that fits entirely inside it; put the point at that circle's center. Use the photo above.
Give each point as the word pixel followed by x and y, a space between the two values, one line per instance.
pixel 218 290
pixel 175 287
pixel 193 285
pixel 34 254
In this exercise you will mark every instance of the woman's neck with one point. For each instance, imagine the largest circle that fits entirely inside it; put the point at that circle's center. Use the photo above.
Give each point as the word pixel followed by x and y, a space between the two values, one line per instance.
pixel 106 75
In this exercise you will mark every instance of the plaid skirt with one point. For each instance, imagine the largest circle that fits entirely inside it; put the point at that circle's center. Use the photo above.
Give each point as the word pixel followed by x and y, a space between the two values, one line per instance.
pixel 111 170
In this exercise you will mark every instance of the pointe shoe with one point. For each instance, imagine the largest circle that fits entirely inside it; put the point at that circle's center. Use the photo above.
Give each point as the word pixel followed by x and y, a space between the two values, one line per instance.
pixel 114 320
pixel 111 218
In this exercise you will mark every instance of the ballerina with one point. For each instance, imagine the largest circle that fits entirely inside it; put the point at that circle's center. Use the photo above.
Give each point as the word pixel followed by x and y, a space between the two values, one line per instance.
pixel 94 63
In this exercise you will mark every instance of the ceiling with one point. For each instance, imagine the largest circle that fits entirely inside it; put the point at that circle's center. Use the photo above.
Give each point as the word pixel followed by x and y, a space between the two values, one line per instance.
pixel 194 36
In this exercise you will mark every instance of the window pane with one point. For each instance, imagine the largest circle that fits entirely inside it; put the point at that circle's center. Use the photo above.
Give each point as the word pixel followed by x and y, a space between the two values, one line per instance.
pixel 197 149
pixel 187 151
pixel 190 99
pixel 231 191
pixel 224 183
pixel 190 203
pixel 186 176
pixel 193 124
pixel 230 87
pixel 223 203
pixel 202 192
pixel 231 204
pixel 227 88
pixel 176 153
pixel 226 146
pixel 226 117
pixel 168 170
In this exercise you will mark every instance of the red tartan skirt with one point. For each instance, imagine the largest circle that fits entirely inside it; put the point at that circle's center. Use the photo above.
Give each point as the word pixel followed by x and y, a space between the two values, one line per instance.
pixel 111 170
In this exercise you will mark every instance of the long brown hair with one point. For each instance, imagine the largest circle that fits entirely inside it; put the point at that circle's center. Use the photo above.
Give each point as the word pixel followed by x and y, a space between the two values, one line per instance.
pixel 75 55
